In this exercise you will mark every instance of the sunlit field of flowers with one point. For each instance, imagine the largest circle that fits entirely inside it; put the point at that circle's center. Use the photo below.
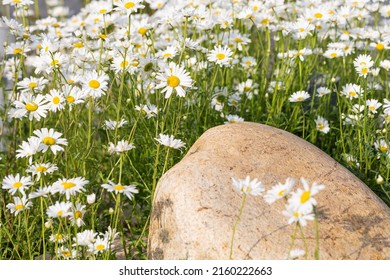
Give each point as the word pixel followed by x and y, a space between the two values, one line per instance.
pixel 95 107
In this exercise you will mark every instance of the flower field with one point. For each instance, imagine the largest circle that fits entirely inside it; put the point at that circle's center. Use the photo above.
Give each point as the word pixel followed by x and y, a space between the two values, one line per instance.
pixel 95 107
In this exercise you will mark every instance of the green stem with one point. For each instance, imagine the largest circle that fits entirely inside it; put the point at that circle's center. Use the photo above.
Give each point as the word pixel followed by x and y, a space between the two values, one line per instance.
pixel 235 225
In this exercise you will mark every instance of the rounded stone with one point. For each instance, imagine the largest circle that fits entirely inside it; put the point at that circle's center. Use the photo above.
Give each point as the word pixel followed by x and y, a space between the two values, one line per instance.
pixel 195 205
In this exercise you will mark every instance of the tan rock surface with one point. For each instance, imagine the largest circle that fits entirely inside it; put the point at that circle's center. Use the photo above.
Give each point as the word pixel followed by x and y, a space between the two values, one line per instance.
pixel 195 205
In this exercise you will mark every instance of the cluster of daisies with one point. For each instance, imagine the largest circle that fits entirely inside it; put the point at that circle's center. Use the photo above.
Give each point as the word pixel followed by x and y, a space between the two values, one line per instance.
pixel 299 204
pixel 112 84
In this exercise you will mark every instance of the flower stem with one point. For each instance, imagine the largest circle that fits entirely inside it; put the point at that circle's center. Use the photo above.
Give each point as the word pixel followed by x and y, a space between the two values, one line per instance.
pixel 235 225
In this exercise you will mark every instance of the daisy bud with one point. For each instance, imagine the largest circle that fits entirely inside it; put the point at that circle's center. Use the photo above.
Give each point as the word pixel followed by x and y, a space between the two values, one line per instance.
pixel 48 224
pixel 379 180
pixel 149 42
pixel 384 130
pixel 91 198
pixel 333 80
pixel 111 211
pixel 78 34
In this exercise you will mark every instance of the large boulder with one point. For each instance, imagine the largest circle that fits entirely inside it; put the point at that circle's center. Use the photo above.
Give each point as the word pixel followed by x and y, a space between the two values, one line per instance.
pixel 195 205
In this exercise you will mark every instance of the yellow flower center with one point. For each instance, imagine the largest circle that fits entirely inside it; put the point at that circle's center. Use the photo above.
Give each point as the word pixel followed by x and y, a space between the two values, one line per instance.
pixel 388 12
pixel 333 54
pixel 100 247
pixel 78 45
pixel 119 188
pixel 364 70
pixel 301 29
pixel 59 236
pixel 383 148
pixel 300 98
pixel 129 5
pixel 41 168
pixel 173 81
pixel 60 213
pixel 17 185
pixel 281 193
pixel 54 62
pixel 379 46
pixel 134 63
pixel 102 11
pixel 102 36
pixel 70 81
pixel 16 1
pixel 31 106
pixel 371 107
pixel 352 93
pixel 48 141
pixel 124 64
pixel 318 15
pixel 305 197
pixel 68 185
pixel 56 100
pixel 220 56
pixel 142 31
pixel 18 50
pixel 320 126
pixel 167 55
pixel 70 99
pixel 264 21
pixel 78 214
pixel 296 214
pixel 33 85
pixel 237 40
pixel 66 254
pixel 247 88
pixel 94 84
pixel 19 207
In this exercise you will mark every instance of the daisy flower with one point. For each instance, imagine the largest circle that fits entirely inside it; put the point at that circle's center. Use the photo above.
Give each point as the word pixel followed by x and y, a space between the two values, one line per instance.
pixel 16 183
pixel 279 191
pixel 299 96
pixel 303 199
pixel 19 205
pixel 18 2
pixel 295 254
pixel 373 105
pixel 29 148
pixel 128 6
pixel 41 192
pixel 129 191
pixel 69 186
pixel 233 119
pixel 59 210
pixel 50 139
pixel 73 95
pixel 175 78
pixel 38 169
pixel 78 214
pixel 248 186
pixel 65 253
pixel 150 110
pixel 121 147
pixel 220 55
pixel 33 106
pixel 85 238
pixel 362 64
pixel 94 84
pixel 112 124
pixel 99 246
pixel 381 145
pixel 55 100
pixel 91 198
pixel 352 91
pixel 30 84
pixel 300 215
pixel 58 238
pixel 322 91
pixel 322 125
pixel 170 141
pixel 333 53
